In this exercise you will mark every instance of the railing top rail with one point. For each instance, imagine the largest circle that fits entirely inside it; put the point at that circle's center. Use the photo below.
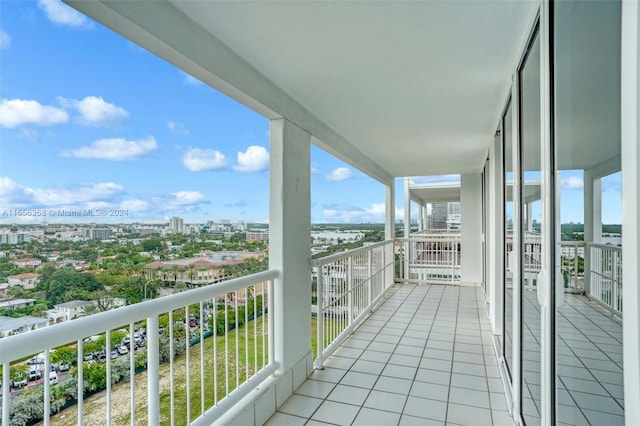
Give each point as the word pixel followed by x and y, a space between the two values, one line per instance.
pixel 573 243
pixel 443 236
pixel 334 257
pixel 25 344
pixel 605 246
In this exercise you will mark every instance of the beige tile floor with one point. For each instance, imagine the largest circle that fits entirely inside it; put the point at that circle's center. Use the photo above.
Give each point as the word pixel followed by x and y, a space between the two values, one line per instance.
pixel 423 357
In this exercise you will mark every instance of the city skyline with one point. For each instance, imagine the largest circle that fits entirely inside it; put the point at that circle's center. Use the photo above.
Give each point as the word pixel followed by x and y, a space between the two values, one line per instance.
pixel 91 122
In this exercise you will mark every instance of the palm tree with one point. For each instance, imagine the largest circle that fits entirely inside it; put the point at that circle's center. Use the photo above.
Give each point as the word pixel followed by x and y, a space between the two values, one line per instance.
pixel 175 270
pixel 192 272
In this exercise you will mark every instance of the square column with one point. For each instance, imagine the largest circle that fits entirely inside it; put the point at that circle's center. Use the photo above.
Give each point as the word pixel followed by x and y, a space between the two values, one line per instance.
pixel 390 211
pixel 471 223
pixel 290 241
pixel 630 152
pixel 495 235
pixel 592 208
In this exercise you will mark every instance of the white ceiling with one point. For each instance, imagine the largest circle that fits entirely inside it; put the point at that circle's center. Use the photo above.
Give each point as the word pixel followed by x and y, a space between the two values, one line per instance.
pixel 417 87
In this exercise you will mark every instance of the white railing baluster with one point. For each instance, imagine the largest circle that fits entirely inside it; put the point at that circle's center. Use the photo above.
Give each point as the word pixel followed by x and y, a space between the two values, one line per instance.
pixel 6 396
pixel 187 328
pixel 153 371
pixel 202 324
pixel 214 326
pixel 107 349
pixel 172 396
pixel 226 345
pixel 132 377
pixel 237 334
pixel 80 379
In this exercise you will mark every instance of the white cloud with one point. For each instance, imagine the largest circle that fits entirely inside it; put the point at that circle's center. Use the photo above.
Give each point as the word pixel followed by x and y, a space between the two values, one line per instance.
pixel 17 112
pixel 95 111
pixel 181 201
pixel 177 128
pixel 14 195
pixel 7 186
pixel 190 80
pixel 116 149
pixel 254 159
pixel 572 182
pixel 196 159
pixel 61 14
pixel 340 174
pixel 5 40
pixel 134 205
pixel 103 191
pixel 315 170
pixel 184 198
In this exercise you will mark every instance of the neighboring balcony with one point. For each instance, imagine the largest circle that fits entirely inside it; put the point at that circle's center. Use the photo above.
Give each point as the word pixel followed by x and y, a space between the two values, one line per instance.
pixel 396 339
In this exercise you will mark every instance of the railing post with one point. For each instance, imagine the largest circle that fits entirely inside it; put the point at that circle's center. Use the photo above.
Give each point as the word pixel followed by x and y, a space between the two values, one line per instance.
pixel 153 370
pixel 6 396
pixel 587 269
pixel 320 313
pixel 350 288
pixel 614 280
pixel 80 378
pixel 370 274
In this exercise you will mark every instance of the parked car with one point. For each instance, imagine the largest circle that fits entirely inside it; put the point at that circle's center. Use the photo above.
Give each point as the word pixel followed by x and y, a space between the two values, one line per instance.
pixel 100 357
pixel 114 354
pixel 122 350
pixel 88 357
pixel 35 374
pixel 19 383
pixel 53 378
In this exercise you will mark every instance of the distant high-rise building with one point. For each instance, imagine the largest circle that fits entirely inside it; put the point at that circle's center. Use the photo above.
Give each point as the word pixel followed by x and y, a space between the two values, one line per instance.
pixel 176 225
pixel 438 218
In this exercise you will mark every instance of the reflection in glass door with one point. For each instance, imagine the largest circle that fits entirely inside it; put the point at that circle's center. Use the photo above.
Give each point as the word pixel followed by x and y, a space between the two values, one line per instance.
pixel 589 370
pixel 530 231
pixel 508 208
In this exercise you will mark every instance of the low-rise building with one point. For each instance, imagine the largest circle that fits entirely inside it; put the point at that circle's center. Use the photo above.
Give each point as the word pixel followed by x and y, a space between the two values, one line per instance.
pixel 68 310
pixel 16 303
pixel 10 326
pixel 27 281
pixel 27 262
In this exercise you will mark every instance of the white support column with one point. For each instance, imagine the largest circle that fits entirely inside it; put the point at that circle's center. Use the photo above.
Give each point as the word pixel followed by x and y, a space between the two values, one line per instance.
pixel 592 208
pixel 289 241
pixel 630 135
pixel 422 222
pixel 495 234
pixel 407 208
pixel 471 224
pixel 407 227
pixel 390 230
pixel 390 211
pixel 528 211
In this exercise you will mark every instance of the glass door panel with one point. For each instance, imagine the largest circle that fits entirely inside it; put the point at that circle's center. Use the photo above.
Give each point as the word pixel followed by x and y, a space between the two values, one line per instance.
pixel 508 209
pixel 588 339
pixel 530 231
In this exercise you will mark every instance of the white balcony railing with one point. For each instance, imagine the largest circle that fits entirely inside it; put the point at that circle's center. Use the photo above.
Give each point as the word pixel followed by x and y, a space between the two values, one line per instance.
pixel 348 286
pixel 430 258
pixel 203 350
pixel 572 255
pixel 605 276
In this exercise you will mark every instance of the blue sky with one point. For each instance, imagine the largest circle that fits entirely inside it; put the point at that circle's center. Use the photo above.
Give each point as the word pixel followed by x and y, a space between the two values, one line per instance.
pixel 88 120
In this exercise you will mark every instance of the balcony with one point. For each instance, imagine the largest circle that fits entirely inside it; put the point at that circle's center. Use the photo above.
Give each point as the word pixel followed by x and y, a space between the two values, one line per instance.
pixel 387 349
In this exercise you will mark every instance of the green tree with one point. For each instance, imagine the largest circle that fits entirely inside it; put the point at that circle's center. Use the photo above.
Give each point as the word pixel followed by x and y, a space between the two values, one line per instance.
pixel 67 284
pixel 63 355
